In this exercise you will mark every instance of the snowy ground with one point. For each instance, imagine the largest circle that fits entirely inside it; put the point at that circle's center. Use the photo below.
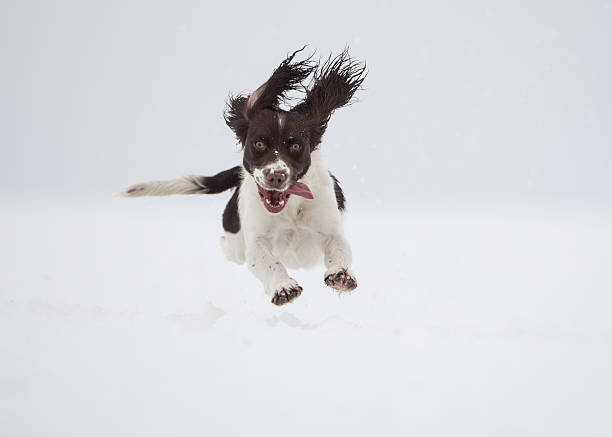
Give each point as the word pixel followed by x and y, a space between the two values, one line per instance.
pixel 121 317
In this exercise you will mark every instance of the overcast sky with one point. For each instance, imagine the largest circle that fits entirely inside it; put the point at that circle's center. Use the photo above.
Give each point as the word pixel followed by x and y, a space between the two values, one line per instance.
pixel 481 100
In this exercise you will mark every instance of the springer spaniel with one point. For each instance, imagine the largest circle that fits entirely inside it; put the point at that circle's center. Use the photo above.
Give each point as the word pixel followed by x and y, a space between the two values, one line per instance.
pixel 286 210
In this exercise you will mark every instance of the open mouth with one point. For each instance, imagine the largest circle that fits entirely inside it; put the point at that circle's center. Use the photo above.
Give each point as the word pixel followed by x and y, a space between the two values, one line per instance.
pixel 275 201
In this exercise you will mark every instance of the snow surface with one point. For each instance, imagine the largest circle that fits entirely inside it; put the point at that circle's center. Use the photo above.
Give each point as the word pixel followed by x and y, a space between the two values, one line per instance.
pixel 120 317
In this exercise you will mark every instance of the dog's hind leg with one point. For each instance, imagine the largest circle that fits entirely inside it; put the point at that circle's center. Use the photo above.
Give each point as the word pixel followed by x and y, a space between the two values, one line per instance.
pixel 268 269
pixel 233 247
pixel 232 241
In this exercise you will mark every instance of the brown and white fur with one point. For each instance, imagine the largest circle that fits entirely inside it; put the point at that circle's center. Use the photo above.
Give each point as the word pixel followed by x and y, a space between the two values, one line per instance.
pixel 286 211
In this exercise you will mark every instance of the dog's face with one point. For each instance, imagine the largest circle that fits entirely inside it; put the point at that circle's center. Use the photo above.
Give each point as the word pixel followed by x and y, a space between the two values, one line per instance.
pixel 277 143
pixel 277 154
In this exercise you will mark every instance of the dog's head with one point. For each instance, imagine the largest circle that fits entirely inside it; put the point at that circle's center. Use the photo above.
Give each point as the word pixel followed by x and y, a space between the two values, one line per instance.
pixel 277 143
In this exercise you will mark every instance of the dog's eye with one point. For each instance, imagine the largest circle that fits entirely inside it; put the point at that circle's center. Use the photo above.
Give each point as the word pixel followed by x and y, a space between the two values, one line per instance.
pixel 295 147
pixel 259 145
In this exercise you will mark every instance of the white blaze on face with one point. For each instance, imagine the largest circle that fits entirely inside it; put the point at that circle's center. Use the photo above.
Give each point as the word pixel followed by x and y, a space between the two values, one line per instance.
pixel 281 122
pixel 277 166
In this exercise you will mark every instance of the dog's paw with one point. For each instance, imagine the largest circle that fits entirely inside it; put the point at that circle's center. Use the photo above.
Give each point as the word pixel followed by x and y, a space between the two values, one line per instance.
pixel 286 293
pixel 342 280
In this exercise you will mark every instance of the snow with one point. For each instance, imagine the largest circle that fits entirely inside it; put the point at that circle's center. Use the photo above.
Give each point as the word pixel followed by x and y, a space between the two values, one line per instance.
pixel 121 317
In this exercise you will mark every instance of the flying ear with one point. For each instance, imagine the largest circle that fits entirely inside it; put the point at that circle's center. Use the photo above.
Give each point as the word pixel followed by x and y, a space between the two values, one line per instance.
pixel 335 83
pixel 235 117
pixel 287 77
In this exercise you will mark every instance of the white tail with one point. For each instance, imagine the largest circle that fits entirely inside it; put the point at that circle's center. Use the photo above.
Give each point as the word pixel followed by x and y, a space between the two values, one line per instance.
pixel 183 185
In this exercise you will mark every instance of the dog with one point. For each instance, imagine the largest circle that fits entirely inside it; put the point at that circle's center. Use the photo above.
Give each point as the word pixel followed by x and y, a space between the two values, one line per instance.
pixel 286 209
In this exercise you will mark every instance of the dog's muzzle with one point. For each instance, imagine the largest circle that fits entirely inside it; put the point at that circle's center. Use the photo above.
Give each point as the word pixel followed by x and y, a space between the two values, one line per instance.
pixel 274 201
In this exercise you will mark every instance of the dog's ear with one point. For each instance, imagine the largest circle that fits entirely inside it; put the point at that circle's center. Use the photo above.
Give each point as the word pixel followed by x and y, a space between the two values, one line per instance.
pixel 285 78
pixel 235 117
pixel 335 83
pixel 288 76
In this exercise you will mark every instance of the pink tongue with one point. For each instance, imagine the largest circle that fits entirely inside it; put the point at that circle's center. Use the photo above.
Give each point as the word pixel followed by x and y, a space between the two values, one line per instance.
pixel 300 189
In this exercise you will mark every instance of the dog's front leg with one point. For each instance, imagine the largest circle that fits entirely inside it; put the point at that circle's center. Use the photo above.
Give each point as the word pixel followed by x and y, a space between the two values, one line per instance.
pixel 268 269
pixel 338 258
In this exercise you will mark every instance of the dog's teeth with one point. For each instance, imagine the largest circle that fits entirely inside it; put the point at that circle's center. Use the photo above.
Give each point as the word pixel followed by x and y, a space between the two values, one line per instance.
pixel 280 203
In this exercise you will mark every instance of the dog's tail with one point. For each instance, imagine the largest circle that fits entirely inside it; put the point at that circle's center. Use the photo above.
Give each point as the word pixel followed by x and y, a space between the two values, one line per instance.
pixel 187 185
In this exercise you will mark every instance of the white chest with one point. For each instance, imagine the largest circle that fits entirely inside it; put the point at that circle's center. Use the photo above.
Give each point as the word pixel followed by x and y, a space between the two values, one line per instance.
pixel 296 244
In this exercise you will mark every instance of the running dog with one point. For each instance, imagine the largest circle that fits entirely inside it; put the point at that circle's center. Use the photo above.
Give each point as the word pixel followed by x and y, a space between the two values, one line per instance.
pixel 287 208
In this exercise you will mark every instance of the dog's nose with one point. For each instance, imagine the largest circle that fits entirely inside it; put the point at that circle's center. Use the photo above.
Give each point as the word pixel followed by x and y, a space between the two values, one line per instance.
pixel 275 178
